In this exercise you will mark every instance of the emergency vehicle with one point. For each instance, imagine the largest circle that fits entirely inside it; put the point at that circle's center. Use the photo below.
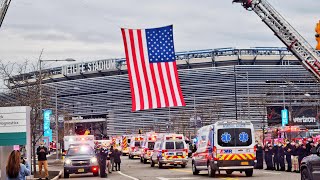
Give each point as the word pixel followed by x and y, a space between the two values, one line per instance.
pixel 147 146
pixel 225 145
pixel 293 133
pixel 126 140
pixel 135 146
pixel 170 149
pixel 78 140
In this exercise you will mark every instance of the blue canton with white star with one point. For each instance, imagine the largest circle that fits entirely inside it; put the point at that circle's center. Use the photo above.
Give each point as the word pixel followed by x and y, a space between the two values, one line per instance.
pixel 243 137
pixel 160 44
pixel 226 137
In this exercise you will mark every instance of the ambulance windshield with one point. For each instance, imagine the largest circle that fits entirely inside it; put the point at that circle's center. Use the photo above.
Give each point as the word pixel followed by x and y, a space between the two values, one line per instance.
pixel 234 137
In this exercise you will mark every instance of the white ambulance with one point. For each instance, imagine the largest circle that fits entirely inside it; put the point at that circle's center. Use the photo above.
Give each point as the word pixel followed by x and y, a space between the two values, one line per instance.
pixel 170 149
pixel 78 141
pixel 135 146
pixel 148 146
pixel 225 146
pixel 126 140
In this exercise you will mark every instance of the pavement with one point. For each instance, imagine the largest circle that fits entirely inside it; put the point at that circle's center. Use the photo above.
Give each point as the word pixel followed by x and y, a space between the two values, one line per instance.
pixel 134 170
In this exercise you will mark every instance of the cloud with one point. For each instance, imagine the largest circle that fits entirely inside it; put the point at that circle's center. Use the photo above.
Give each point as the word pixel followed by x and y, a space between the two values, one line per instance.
pixel 89 29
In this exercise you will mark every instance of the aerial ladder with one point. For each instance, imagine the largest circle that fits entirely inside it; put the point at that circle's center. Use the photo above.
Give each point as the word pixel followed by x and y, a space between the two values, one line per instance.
pixel 305 53
pixel 4 5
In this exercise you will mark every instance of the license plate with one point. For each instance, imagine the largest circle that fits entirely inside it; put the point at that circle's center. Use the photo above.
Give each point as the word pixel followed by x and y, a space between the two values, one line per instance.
pixel 179 154
pixel 80 170
pixel 244 163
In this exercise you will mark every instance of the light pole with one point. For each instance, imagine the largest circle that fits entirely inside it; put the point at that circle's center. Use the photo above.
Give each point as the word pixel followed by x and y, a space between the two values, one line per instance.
pixel 57 128
pixel 235 91
pixel 40 75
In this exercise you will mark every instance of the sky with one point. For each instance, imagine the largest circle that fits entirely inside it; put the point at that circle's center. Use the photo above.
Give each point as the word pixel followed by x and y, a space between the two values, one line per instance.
pixel 88 30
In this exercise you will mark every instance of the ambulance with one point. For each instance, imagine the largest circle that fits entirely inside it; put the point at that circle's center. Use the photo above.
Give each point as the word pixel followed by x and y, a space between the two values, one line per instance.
pixel 170 149
pixel 147 146
pixel 126 140
pixel 78 141
pixel 135 146
pixel 225 146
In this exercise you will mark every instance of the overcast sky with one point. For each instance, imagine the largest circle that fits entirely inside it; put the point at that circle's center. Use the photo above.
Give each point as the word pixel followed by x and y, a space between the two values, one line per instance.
pixel 90 29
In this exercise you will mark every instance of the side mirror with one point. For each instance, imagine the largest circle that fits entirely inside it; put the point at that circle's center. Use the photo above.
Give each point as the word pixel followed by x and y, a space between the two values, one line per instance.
pixel 314 150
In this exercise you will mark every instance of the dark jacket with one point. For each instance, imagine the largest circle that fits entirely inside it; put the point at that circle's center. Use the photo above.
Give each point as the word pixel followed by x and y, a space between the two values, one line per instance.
pixel 42 155
pixel 116 156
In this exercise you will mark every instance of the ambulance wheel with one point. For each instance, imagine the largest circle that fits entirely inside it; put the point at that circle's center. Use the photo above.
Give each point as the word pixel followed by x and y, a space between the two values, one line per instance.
pixel 249 172
pixel 194 169
pixel 144 161
pixel 228 172
pixel 151 163
pixel 183 165
pixel 159 164
pixel 66 175
pixel 211 171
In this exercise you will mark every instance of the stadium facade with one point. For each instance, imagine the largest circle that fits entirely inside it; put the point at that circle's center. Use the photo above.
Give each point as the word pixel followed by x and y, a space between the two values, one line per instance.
pixel 217 84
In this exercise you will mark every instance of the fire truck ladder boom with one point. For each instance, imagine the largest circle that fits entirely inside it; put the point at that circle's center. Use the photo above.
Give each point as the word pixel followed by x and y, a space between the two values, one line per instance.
pixel 307 55
pixel 4 5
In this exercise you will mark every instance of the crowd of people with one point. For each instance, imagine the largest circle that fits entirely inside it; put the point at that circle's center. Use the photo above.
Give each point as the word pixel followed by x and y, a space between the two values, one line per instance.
pixel 277 155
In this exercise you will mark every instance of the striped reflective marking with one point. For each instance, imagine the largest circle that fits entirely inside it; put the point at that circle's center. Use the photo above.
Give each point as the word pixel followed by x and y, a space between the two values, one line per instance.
pixel 236 157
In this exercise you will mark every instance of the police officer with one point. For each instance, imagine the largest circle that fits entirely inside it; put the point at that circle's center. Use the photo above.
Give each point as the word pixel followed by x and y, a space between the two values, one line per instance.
pixel 309 145
pixel 103 153
pixel 302 152
pixel 281 157
pixel 259 156
pixel 288 150
pixel 268 156
pixel 276 163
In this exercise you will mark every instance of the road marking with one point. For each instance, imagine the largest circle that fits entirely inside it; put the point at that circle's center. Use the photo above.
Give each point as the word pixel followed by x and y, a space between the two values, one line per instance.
pixel 181 170
pixel 127 176
pixel 228 178
pixel 271 173
pixel 163 178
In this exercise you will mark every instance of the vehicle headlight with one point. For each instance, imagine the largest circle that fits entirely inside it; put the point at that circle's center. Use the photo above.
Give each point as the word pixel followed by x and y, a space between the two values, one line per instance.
pixel 93 160
pixel 67 161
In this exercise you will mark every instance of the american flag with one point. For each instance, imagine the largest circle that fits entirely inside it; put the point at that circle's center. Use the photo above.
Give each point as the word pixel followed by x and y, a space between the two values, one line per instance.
pixel 152 68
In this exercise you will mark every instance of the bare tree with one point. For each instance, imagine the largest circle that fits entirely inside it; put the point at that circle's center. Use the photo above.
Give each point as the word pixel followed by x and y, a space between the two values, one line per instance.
pixel 22 90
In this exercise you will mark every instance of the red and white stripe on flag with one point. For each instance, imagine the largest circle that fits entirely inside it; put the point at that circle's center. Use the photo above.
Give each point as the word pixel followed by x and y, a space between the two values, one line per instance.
pixel 154 80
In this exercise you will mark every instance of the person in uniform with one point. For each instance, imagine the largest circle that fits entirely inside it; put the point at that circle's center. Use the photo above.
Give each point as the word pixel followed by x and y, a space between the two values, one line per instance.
pixel 268 156
pixel 259 156
pixel 302 152
pixel 281 157
pixel 276 164
pixel 288 152
pixel 102 155
pixel 309 145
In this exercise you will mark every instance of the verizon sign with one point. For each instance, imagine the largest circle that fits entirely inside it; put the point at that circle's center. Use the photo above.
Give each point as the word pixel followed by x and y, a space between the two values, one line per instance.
pixel 304 120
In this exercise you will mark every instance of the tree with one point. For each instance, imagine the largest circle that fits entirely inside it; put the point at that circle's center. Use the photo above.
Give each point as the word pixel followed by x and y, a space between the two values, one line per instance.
pixel 21 91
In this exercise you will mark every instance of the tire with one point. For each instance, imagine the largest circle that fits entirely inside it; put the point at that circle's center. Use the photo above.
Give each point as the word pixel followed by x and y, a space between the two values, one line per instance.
pixel 228 172
pixel 96 174
pixel 144 161
pixel 211 171
pixel 194 169
pixel 183 165
pixel 249 172
pixel 151 163
pixel 160 165
pixel 305 174
pixel 66 175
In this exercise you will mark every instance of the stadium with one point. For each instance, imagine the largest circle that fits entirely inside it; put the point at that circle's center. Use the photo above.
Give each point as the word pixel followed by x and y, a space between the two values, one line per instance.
pixel 217 84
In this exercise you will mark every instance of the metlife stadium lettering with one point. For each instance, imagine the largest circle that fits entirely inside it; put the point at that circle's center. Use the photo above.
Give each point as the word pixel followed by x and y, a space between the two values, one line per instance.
pixel 102 65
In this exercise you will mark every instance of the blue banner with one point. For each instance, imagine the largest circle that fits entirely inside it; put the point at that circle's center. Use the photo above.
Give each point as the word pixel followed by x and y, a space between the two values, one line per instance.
pixel 284 117
pixel 47 132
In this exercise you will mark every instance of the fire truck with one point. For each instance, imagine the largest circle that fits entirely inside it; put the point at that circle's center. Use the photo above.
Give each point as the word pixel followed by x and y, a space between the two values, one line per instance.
pixel 291 133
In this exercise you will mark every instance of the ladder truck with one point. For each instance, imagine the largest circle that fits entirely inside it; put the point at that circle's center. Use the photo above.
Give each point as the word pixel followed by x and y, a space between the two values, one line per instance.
pixel 305 53
pixel 4 5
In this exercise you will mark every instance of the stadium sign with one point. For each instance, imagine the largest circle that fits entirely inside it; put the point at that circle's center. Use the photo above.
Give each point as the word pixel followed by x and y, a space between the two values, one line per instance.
pixel 95 66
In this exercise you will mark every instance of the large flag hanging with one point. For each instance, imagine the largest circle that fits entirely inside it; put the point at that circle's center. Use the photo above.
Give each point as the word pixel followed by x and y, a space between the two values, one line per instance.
pixel 152 68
